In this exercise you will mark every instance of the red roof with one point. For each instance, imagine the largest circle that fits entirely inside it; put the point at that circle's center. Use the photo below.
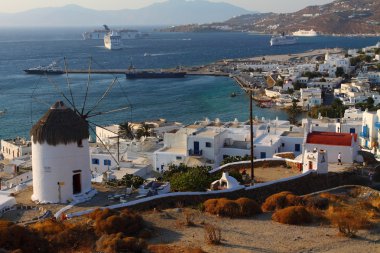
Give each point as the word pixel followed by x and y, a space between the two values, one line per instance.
pixel 333 139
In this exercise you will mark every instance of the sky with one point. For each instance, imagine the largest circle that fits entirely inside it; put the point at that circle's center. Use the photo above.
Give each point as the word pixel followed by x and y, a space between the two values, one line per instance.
pixel 279 6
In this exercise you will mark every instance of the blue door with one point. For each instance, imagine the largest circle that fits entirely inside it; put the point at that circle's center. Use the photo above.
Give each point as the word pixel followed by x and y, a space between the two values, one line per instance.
pixel 196 148
pixel 263 155
pixel 352 130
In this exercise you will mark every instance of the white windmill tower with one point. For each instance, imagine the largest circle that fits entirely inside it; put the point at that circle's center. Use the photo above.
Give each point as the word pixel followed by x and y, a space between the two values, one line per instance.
pixel 60 148
pixel 60 158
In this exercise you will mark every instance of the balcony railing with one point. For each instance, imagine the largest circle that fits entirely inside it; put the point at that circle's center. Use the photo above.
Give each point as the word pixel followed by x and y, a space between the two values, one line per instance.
pixel 192 153
pixel 364 135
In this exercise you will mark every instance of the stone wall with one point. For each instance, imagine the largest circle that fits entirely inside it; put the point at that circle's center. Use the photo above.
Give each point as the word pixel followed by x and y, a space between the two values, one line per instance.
pixel 309 183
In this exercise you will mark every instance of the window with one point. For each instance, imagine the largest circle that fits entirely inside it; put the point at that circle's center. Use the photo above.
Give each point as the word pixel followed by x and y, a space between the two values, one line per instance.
pixel 263 155
pixel 297 147
pixel 178 157
pixel 208 144
pixel 352 130
pixel 107 162
pixel 79 143
pixel 283 145
pixel 95 161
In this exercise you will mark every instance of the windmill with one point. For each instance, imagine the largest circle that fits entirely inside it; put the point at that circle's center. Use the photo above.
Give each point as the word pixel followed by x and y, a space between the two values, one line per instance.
pixel 60 141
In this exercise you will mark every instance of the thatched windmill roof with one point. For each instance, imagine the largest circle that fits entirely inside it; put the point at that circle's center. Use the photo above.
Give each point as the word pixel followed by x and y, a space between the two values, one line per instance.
pixel 59 125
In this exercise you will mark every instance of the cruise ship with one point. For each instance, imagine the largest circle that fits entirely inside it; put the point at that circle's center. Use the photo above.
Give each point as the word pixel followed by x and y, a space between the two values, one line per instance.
pixel 112 41
pixel 126 34
pixel 280 40
pixel 305 33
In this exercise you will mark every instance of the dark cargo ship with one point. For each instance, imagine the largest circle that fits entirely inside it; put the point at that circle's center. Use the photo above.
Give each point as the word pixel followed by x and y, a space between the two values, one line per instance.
pixel 154 74
pixel 51 69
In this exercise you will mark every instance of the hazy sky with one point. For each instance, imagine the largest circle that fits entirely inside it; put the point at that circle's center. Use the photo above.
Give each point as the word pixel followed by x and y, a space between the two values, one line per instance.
pixel 257 5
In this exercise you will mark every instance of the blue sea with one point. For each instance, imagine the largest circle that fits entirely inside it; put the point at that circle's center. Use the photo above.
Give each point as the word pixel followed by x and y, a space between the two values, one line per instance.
pixel 27 97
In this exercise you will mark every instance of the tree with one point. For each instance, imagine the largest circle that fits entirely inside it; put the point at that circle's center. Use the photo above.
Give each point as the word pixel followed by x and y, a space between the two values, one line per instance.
pixel 125 130
pixel 293 111
pixel 339 72
pixel 144 130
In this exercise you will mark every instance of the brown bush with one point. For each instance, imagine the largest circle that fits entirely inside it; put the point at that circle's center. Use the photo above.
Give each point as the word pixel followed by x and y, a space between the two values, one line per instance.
pixel 48 227
pixel 315 202
pixel 293 215
pixel 333 198
pixel 248 207
pixel 228 208
pixel 107 222
pixel 213 234
pixel 279 201
pixel 348 220
pixel 210 206
pixel 115 243
pixel 376 203
pixel 15 237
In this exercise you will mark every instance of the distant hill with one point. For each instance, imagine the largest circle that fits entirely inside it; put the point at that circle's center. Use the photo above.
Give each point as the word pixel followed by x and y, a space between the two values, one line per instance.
pixel 338 17
pixel 172 12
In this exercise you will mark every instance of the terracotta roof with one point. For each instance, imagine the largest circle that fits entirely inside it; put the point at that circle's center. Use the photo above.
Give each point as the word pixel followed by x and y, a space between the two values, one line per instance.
pixel 329 138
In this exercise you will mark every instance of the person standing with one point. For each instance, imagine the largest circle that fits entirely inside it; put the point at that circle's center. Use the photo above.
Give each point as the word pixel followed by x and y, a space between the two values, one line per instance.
pixel 340 159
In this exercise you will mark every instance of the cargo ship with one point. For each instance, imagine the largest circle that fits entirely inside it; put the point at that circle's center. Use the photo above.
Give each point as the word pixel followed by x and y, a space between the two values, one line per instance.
pixel 51 69
pixel 154 74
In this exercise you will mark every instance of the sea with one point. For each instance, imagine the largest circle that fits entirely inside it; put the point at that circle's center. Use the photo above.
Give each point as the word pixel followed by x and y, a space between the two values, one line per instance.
pixel 112 99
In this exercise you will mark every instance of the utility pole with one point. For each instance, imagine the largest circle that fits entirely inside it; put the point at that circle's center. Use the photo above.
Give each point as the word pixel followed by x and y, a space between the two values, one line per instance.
pixel 251 125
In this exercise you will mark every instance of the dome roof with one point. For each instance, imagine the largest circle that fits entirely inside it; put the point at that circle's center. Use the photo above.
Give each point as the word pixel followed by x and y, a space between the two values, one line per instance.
pixel 59 125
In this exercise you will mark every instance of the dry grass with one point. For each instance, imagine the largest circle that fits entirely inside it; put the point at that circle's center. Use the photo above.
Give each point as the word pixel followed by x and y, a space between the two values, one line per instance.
pixel 164 248
pixel 248 207
pixel 213 234
pixel 294 215
pixel 280 200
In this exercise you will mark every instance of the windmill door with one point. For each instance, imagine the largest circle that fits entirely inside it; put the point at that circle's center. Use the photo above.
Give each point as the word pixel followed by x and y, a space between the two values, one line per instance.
pixel 77 187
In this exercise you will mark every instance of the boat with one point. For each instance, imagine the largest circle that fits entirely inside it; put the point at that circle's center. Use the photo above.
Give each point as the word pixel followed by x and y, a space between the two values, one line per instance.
pixel 112 41
pixel 51 69
pixel 279 40
pixel 305 33
pixel 233 94
pixel 154 74
pixel 147 54
pixel 126 34
pixel 2 112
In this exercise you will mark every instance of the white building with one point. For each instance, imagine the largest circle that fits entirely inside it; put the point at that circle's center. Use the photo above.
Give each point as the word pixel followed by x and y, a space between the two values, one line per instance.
pixel 334 143
pixel 208 143
pixel 14 148
pixel 315 160
pixel 311 97
pixel 344 125
pixel 353 93
pixel 60 161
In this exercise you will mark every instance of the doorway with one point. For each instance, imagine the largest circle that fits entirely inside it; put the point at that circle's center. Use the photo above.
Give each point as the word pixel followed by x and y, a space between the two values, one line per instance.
pixel 196 148
pixel 77 187
pixel 310 165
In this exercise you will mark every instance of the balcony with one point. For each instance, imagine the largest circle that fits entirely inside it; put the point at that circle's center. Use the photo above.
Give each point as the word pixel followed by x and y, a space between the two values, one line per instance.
pixel 364 135
pixel 192 153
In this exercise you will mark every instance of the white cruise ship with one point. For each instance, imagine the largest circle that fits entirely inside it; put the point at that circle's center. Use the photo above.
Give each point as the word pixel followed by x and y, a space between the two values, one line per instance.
pixel 126 34
pixel 112 41
pixel 305 33
pixel 279 40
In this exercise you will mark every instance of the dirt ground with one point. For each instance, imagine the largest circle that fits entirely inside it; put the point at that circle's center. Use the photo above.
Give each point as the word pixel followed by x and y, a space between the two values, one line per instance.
pixel 259 234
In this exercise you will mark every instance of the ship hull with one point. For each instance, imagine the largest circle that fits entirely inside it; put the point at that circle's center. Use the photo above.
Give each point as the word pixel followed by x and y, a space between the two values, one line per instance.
pixel 43 72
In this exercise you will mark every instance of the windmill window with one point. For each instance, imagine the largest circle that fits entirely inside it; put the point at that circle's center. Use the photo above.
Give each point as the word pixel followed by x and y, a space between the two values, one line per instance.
pixel 208 144
pixel 80 144
pixel 107 162
pixel 95 161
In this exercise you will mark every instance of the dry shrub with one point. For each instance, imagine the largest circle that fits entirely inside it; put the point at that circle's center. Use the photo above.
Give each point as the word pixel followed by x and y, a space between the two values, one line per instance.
pixel 163 248
pixel 280 200
pixel 248 207
pixel 65 236
pixel 189 218
pixel 213 234
pixel 376 203
pixel 294 215
pixel 315 202
pixel 15 237
pixel 348 220
pixel 333 198
pixel 115 243
pixel 210 206
pixel 111 222
pixel 228 208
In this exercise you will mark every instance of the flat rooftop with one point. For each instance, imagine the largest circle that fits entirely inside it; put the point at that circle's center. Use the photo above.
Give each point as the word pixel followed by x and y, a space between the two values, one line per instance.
pixel 292 134
pixel 179 151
